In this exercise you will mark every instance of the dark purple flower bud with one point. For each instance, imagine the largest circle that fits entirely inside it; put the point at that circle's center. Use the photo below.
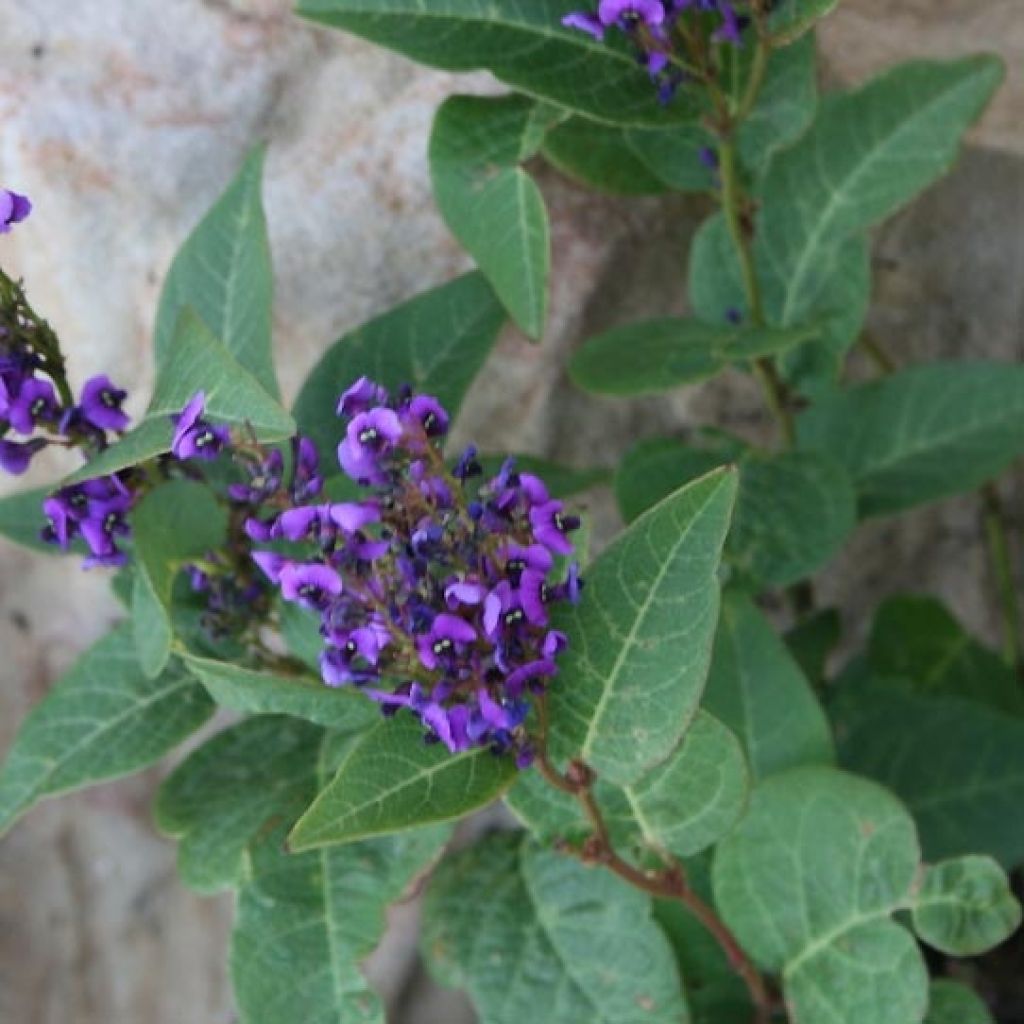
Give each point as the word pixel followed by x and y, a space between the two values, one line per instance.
pixel 101 404
pixel 14 208
pixel 35 402
pixel 370 436
pixel 550 526
pixel 361 396
pixel 733 316
pixel 194 437
pixel 467 466
pixel 15 457
pixel 260 530
pixel 355 658
pixel 447 634
pixel 307 482
pixel 708 156
pixel 312 585
pixel 585 22
pixel 264 479
pixel 656 61
pixel 569 590
pixel 198 579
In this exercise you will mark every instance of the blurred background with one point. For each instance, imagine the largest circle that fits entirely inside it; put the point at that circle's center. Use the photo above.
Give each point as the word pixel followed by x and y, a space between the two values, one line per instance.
pixel 124 119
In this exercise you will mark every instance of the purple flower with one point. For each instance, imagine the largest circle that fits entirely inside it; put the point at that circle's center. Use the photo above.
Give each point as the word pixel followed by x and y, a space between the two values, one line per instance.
pixel 353 660
pixel 271 564
pixel 550 526
pixel 15 457
pixel 447 634
pixel 307 523
pixel 368 438
pixel 361 396
pixel 464 592
pixel 35 401
pixel 101 404
pixel 312 586
pixel 194 437
pixel 533 597
pixel 104 523
pixel 517 559
pixel 585 22
pixel 630 12
pixel 352 516
pixel 425 413
pixel 264 480
pixel 13 209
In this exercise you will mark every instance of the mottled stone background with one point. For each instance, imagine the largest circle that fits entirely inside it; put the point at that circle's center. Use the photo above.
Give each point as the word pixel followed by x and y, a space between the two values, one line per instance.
pixel 125 118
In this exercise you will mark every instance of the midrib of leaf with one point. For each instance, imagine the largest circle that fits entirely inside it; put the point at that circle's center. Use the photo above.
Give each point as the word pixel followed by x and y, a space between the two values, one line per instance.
pixel 624 649
pixel 837 199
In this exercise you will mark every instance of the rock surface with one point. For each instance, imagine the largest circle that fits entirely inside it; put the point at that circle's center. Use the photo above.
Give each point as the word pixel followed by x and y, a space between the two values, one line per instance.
pixel 124 119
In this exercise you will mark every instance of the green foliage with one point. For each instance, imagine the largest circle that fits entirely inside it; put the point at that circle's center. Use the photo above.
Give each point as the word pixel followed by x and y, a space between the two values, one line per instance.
pixel 921 434
pixel 103 719
pixel 640 644
pixel 528 931
pixel 812 641
pixel 175 522
pixel 223 274
pixel 793 510
pixel 261 692
pixel 490 203
pixel 965 907
pixel 522 44
pixel 757 689
pixel 196 361
pixel 436 342
pixel 809 882
pixel 794 17
pixel 392 780
pixel 658 355
pixel 950 1002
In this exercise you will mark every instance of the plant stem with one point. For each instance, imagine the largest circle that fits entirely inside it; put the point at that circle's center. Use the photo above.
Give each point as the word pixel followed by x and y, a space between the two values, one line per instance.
pixel 884 362
pixel 668 884
pixel 757 72
pixel 1002 569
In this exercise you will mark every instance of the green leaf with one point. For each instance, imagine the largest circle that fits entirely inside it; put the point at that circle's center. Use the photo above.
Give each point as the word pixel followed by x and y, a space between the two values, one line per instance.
pixel 917 638
pixel 197 361
pixel 556 940
pixel 177 521
pixel 640 640
pixel 305 922
pixel 757 689
pixel 22 519
pixel 965 907
pixel 103 719
pixel 951 1002
pixel 868 153
pixel 808 883
pixel 957 764
pixel 658 355
pixel 392 780
pixel 921 434
pixel 491 204
pixel 244 689
pixel 794 17
pixel 794 511
pixel 673 155
pixel 235 787
pixel 524 45
pixel 683 805
pixel 436 342
pixel 223 273
pixel 601 156
pixel 812 641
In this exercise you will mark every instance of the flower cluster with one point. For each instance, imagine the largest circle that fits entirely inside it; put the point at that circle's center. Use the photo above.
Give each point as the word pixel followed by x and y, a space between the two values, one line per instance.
pixel 434 591
pixel 14 208
pixel 651 25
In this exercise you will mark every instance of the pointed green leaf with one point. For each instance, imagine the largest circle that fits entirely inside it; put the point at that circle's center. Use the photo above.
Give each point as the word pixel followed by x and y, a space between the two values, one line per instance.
pixel 236 787
pixel 957 764
pixel 491 204
pixel 964 907
pixel 392 781
pixel 255 692
pixel 602 157
pixel 437 342
pixel 808 883
pixel 305 922
pixel 683 805
pixel 757 689
pixel 523 45
pixel 177 521
pixel 658 355
pixel 794 511
pixel 197 362
pixel 921 434
pixel 556 940
pixel 951 1002
pixel 223 273
pixel 640 640
pixel 104 718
